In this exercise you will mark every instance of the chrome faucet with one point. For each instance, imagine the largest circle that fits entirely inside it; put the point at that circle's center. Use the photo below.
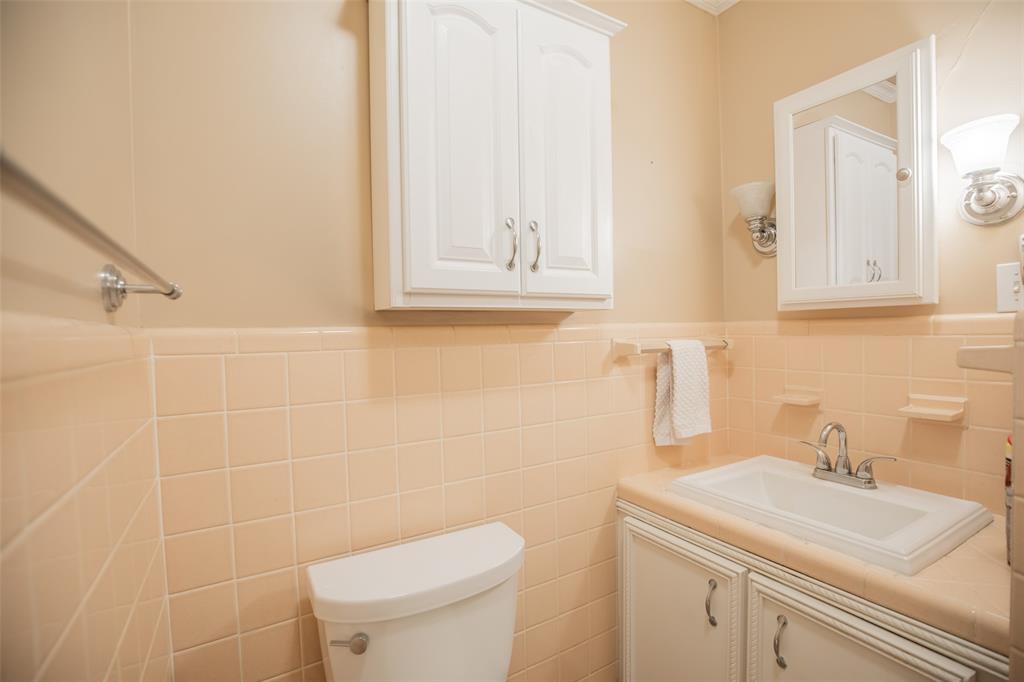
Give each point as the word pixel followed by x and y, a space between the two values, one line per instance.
pixel 864 477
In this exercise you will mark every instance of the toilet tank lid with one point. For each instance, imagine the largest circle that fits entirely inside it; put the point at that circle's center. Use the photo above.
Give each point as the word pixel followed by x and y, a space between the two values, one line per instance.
pixel 416 576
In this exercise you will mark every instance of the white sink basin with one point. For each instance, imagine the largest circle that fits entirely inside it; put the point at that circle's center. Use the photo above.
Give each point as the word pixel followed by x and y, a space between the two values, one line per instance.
pixel 900 528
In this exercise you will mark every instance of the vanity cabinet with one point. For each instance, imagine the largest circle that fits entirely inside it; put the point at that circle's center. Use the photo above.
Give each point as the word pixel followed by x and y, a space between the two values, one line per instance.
pixel 793 636
pixel 491 154
pixel 767 629
pixel 683 611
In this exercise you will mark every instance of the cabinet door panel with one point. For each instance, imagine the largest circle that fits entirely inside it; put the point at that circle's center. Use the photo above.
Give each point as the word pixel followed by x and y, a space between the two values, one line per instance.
pixel 866 232
pixel 667 593
pixel 566 139
pixel 460 126
pixel 820 643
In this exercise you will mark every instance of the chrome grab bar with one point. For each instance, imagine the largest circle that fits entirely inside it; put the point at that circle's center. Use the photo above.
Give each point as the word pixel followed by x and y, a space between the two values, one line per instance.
pixel 114 288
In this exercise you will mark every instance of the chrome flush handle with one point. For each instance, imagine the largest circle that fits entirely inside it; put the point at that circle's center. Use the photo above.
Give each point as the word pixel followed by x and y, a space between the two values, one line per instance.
pixel 779 660
pixel 536 261
pixel 510 223
pixel 357 645
pixel 712 584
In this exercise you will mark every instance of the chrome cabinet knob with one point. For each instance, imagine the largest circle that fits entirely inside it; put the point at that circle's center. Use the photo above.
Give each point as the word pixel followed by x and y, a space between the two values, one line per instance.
pixel 357 645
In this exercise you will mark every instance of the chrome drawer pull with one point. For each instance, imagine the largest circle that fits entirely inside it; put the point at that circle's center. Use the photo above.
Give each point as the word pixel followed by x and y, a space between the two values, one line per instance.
pixel 357 645
pixel 510 223
pixel 781 620
pixel 536 261
pixel 712 584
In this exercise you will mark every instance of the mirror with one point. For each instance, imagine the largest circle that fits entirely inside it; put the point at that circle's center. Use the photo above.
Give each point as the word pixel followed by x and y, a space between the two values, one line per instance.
pixel 854 167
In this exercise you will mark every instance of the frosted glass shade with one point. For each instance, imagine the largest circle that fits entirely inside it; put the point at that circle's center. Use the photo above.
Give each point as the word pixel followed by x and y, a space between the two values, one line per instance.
pixel 754 198
pixel 980 145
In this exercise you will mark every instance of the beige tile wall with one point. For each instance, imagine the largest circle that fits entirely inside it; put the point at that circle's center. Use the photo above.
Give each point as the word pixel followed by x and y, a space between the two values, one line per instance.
pixel 280 449
pixel 83 589
pixel 865 369
pixel 277 449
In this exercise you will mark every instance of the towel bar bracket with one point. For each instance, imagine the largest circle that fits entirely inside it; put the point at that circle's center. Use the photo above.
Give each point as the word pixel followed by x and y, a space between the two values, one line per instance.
pixel 622 348
pixel 114 289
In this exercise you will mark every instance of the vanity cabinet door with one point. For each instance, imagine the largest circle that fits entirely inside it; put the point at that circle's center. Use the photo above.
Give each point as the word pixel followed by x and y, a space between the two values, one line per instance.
pixel 565 102
pixel 793 636
pixel 682 609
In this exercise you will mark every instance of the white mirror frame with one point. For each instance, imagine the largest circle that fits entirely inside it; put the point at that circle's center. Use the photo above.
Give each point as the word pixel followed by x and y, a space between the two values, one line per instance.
pixel 918 283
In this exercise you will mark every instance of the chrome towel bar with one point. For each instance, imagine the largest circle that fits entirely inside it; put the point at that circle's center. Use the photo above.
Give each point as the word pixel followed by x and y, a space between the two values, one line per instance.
pixel 622 348
pixel 113 287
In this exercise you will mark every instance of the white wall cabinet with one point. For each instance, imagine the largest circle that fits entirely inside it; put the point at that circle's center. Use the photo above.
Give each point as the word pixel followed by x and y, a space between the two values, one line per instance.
pixel 766 630
pixel 491 154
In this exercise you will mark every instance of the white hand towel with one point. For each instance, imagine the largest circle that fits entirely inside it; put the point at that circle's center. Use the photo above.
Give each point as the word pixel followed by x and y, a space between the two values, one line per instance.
pixel 681 404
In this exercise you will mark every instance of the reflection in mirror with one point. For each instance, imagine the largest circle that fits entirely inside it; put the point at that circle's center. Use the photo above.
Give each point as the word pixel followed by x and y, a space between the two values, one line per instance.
pixel 844 172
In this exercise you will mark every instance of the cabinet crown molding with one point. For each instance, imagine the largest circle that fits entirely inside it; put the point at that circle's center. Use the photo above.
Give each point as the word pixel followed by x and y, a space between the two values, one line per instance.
pixel 587 16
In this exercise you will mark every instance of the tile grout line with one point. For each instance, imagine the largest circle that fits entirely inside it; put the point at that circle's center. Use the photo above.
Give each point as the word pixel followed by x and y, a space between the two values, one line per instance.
pixel 343 355
pixel 153 560
pixel 231 505
pixel 291 505
pixel 80 609
pixel 160 502
pixel 19 538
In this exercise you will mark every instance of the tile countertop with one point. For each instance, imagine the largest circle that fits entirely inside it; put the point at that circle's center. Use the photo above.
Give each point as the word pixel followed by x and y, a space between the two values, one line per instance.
pixel 966 593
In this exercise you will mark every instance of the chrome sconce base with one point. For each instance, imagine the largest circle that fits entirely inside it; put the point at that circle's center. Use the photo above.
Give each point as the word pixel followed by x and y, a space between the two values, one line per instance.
pixel 762 235
pixel 992 198
pixel 114 289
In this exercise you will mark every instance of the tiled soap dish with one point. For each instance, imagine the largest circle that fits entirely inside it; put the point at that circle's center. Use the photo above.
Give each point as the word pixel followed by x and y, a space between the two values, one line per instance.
pixel 801 396
pixel 935 408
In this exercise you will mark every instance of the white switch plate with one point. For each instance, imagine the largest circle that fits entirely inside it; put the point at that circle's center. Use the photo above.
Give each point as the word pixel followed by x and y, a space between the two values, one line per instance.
pixel 1008 288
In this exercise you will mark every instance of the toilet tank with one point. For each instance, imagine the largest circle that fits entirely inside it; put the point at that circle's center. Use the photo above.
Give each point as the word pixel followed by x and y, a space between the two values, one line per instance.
pixel 439 609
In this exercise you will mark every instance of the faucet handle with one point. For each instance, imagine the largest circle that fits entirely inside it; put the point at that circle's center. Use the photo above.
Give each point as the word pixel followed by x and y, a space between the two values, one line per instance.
pixel 865 470
pixel 823 463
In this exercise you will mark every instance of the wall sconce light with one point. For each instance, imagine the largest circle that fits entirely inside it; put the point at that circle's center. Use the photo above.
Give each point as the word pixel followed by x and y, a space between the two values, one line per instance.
pixel 979 151
pixel 755 200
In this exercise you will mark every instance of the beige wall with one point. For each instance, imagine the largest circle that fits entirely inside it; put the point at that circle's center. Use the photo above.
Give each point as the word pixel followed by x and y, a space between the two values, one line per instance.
pixel 228 143
pixel 239 166
pixel 81 555
pixel 772 49
pixel 65 115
